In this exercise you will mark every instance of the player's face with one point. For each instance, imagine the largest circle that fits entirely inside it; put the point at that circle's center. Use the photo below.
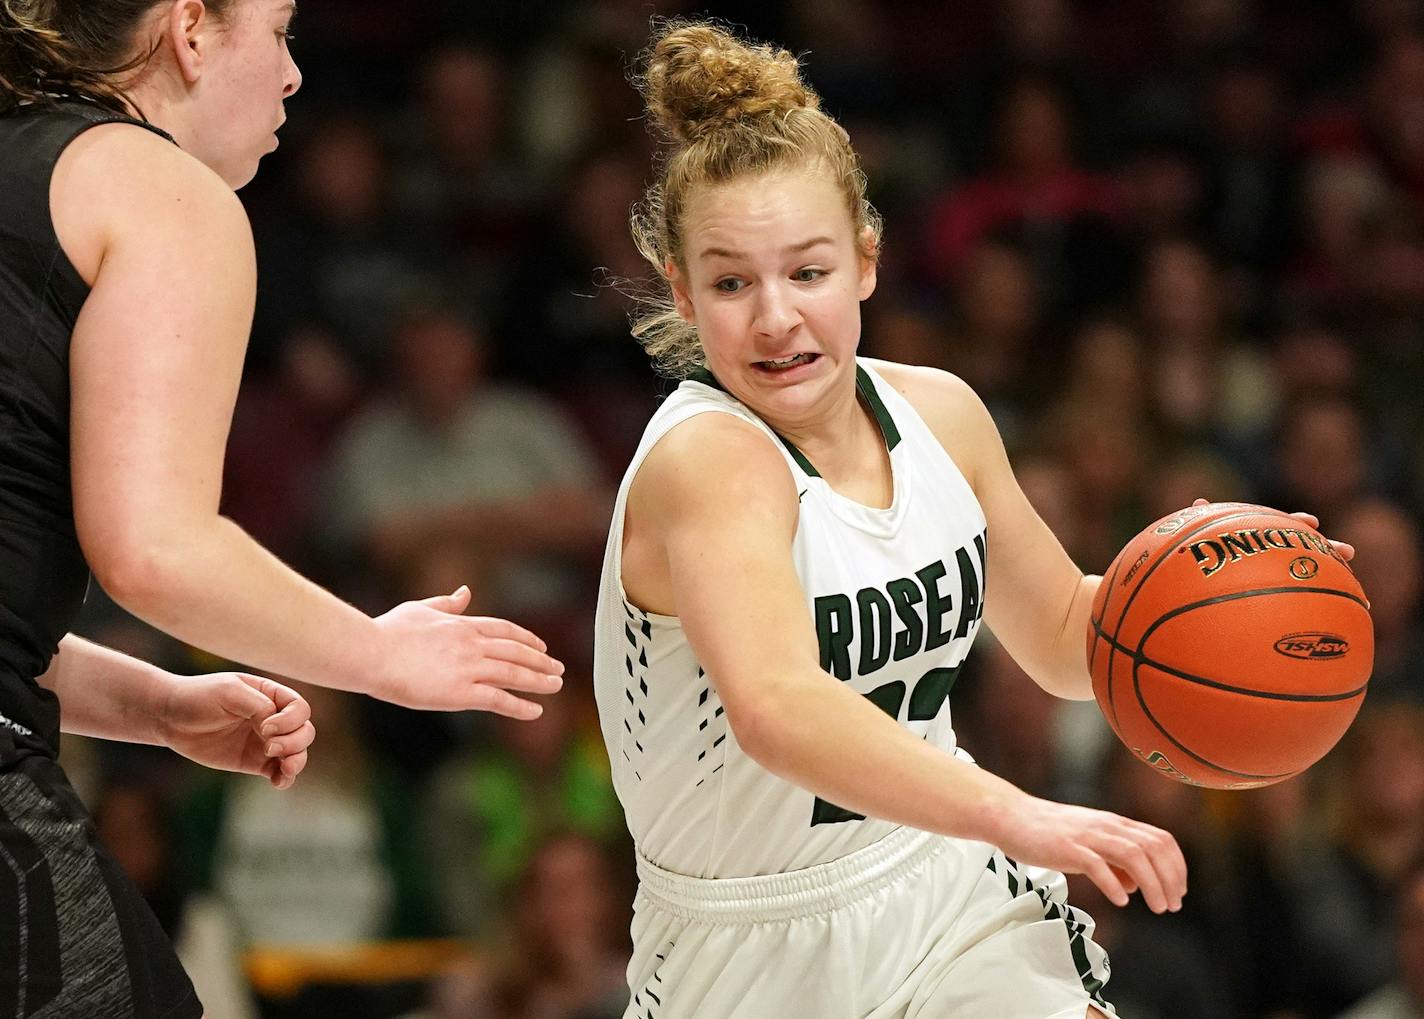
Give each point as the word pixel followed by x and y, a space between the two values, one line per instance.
pixel 247 74
pixel 774 279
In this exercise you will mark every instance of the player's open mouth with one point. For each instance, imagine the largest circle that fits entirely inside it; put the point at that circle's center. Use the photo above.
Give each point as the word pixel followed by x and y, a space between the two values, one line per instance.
pixel 787 363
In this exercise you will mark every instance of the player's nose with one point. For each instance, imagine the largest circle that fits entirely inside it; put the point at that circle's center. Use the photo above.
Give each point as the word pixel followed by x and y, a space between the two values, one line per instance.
pixel 292 79
pixel 776 312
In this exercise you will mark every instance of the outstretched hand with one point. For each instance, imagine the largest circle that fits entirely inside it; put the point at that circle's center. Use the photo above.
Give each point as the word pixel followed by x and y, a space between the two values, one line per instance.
pixel 439 660
pixel 236 722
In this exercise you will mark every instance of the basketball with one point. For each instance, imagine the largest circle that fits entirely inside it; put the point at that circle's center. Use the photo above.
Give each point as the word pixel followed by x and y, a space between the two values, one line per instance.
pixel 1230 646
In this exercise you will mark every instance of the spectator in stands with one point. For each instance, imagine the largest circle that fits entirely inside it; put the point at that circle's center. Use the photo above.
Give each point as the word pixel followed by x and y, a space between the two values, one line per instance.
pixel 1342 198
pixel 338 251
pixel 1402 997
pixel 330 864
pixel 490 807
pixel 458 177
pixel 1389 561
pixel 448 455
pixel 1314 432
pixel 1038 194
pixel 282 429
pixel 563 293
pixel 569 949
pixel 1250 178
pixel 998 344
pixel 1347 882
pixel 1207 382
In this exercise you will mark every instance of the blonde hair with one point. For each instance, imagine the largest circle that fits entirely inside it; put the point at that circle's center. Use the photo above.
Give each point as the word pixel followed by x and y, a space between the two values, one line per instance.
pixel 727 109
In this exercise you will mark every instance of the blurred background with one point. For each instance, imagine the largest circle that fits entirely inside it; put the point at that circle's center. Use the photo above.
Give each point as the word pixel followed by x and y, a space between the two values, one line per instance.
pixel 1178 248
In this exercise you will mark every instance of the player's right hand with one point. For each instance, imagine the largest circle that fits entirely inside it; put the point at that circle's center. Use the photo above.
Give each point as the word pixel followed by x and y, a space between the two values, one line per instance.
pixel 1116 853
pixel 435 659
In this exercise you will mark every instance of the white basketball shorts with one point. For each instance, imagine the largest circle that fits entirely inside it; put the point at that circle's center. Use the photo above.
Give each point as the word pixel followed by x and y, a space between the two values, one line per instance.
pixel 913 927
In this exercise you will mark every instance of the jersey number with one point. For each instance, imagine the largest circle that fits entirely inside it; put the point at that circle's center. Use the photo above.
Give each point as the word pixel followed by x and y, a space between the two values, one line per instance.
pixel 930 692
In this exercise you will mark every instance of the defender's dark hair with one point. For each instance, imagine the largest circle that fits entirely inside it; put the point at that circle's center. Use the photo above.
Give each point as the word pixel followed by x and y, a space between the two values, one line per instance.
pixel 78 48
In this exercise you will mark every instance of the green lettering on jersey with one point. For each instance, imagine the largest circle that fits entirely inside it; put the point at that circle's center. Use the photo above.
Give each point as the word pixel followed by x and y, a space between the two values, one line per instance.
pixel 937 605
pixel 981 547
pixel 969 593
pixel 906 594
pixel 835 626
pixel 875 625
pixel 930 692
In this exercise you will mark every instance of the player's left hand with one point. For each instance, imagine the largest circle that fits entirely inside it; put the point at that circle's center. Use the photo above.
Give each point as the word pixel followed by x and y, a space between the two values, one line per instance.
pixel 236 722
pixel 1346 550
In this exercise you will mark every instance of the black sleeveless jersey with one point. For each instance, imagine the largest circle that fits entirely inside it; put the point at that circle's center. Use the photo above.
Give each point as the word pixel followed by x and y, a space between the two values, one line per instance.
pixel 43 576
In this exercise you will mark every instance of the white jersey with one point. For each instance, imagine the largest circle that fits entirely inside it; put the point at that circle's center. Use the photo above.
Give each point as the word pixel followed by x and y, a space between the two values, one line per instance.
pixel 896 594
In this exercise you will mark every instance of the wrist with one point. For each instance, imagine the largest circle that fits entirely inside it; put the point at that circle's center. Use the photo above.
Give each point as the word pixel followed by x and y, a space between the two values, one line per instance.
pixel 369 666
pixel 993 809
pixel 155 723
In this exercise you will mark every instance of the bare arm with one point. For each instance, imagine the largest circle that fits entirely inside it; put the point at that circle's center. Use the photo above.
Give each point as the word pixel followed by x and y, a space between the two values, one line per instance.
pixel 715 496
pixel 107 694
pixel 1042 601
pixel 155 362
pixel 226 720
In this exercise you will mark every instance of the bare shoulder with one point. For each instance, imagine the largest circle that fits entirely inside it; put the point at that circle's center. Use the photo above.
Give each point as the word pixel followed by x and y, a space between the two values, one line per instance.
pixel 950 407
pixel 712 464
pixel 933 388
pixel 713 485
pixel 119 181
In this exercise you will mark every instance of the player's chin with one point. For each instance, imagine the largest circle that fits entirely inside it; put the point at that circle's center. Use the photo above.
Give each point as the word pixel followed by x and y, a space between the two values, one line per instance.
pixel 241 172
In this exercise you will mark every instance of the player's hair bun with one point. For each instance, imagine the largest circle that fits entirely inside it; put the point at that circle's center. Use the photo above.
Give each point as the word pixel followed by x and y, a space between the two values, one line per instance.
pixel 700 78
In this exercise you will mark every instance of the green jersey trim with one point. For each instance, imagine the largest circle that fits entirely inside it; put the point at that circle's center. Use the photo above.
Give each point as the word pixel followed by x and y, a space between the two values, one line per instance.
pixel 863 384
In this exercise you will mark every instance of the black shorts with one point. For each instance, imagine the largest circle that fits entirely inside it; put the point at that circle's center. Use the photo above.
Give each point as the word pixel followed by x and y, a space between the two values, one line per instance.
pixel 77 940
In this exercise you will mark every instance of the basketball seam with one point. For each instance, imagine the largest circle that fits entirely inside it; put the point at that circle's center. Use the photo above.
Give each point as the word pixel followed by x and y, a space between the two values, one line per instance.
pixel 1137 689
pixel 1141 659
pixel 1138 658
pixel 1165 556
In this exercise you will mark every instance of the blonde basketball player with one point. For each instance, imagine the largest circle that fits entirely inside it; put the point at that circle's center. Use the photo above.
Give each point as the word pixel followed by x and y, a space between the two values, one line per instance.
pixel 796 570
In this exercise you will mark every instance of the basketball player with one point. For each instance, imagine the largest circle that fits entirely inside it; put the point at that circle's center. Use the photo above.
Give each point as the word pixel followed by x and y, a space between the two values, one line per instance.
pixel 126 294
pixel 795 574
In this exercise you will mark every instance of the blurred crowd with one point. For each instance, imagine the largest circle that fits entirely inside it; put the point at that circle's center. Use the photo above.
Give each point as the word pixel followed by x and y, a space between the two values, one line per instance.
pixel 1178 248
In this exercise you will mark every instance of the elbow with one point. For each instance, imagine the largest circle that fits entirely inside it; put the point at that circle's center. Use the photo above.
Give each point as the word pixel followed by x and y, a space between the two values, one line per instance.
pixel 131 576
pixel 1070 688
pixel 1068 679
pixel 136 570
pixel 760 718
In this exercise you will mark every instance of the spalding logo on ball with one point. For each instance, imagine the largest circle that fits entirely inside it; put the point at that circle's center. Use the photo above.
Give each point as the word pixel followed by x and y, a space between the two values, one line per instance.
pixel 1230 646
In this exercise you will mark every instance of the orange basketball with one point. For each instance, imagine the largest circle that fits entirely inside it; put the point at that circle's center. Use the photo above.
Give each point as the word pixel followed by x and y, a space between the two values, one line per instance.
pixel 1230 646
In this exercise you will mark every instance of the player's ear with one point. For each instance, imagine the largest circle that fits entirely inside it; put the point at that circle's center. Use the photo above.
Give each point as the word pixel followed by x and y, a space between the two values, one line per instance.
pixel 680 298
pixel 188 27
pixel 869 252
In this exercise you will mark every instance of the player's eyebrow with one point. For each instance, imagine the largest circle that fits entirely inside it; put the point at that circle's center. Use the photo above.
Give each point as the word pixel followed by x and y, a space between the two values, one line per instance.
pixel 789 249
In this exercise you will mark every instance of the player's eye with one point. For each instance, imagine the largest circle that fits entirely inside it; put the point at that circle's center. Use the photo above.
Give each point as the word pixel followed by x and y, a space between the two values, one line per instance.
pixel 729 285
pixel 808 275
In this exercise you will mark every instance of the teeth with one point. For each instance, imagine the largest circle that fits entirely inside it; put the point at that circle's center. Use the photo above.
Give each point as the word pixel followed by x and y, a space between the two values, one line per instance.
pixel 788 362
